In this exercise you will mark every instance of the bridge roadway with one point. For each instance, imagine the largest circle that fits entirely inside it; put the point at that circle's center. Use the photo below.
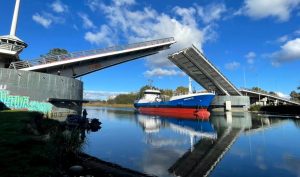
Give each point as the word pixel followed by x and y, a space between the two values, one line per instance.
pixel 77 64
pixel 198 67
pixel 258 96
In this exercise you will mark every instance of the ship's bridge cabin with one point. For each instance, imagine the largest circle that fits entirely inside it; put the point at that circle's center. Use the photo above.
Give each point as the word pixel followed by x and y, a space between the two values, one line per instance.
pixel 150 96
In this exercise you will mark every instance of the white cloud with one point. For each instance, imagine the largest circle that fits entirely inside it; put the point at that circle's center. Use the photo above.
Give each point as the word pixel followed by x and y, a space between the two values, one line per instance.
pixel 92 4
pixel 250 57
pixel 124 2
pixel 103 36
pixel 159 72
pixel 283 39
pixel 99 95
pixel 42 20
pixel 47 19
pixel 211 12
pixel 283 95
pixel 290 51
pixel 58 7
pixel 280 9
pixel 297 32
pixel 187 14
pixel 147 24
pixel 87 23
pixel 96 4
pixel 232 65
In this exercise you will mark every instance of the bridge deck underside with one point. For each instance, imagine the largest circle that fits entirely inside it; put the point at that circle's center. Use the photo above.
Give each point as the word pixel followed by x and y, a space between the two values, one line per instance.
pixel 77 64
pixel 194 64
pixel 93 64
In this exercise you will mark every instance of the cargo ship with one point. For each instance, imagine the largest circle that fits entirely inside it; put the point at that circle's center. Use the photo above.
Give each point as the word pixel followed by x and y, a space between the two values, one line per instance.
pixel 188 106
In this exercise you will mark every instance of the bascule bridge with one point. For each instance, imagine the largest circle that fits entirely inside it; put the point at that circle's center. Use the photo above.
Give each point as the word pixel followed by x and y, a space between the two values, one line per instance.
pixel 48 84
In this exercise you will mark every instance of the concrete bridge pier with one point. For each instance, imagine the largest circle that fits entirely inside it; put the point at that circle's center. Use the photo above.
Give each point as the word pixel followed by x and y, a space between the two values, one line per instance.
pixel 237 103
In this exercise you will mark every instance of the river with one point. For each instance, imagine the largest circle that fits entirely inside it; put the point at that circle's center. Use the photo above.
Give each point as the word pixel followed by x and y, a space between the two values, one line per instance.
pixel 232 144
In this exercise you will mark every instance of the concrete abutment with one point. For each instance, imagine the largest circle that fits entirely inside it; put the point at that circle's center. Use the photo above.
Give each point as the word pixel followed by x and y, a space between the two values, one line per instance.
pixel 55 96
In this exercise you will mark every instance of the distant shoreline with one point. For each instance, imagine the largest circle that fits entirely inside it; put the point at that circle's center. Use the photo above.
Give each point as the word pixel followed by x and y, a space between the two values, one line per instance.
pixel 99 104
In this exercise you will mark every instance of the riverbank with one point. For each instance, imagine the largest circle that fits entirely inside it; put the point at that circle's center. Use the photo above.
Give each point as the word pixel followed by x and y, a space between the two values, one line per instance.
pixel 34 146
pixel 279 110
pixel 23 151
pixel 101 104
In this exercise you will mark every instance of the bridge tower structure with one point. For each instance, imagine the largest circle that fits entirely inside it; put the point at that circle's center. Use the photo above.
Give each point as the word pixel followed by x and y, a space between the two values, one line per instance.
pixel 11 45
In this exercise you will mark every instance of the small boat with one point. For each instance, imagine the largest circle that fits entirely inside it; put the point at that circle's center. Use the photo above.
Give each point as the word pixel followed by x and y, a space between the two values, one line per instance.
pixel 74 120
pixel 187 106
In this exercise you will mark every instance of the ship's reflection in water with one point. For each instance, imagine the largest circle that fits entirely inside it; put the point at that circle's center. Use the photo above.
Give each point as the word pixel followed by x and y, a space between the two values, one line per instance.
pixel 231 144
pixel 194 129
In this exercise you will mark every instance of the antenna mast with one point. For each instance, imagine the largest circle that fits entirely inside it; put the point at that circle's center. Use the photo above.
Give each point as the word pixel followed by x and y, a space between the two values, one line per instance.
pixel 190 85
pixel 15 19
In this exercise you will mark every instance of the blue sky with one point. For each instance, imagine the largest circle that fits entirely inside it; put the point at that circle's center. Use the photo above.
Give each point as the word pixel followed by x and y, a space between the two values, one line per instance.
pixel 256 38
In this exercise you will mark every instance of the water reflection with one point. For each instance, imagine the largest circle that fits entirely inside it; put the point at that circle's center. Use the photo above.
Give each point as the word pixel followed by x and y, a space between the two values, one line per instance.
pixel 195 129
pixel 231 143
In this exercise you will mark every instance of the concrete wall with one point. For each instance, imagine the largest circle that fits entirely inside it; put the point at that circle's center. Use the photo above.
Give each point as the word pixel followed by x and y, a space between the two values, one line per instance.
pixel 31 91
pixel 238 103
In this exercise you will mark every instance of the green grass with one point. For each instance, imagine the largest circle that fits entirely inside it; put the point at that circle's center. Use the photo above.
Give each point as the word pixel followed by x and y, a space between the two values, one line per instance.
pixel 255 108
pixel 23 152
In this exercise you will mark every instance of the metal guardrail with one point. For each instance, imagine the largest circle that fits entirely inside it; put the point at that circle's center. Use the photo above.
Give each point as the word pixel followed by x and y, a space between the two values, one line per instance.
pixel 73 55
pixel 269 95
pixel 11 47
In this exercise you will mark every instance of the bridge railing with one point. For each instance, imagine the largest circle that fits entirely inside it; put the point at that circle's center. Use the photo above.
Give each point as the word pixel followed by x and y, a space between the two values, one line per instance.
pixel 269 95
pixel 11 47
pixel 54 58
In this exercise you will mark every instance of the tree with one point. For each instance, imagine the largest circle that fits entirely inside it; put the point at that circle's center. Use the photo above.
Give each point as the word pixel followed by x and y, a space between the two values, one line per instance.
pixel 181 90
pixel 257 89
pixel 123 99
pixel 273 93
pixel 295 96
pixel 167 92
pixel 56 51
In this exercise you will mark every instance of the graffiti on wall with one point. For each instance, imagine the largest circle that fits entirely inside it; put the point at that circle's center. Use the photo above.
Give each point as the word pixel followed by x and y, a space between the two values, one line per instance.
pixel 2 87
pixel 23 102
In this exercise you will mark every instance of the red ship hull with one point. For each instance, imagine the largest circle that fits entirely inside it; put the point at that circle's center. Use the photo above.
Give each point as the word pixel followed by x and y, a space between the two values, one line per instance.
pixel 182 113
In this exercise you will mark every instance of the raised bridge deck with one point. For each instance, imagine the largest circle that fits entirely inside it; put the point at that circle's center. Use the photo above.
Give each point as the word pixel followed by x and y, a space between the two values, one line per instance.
pixel 198 67
pixel 76 64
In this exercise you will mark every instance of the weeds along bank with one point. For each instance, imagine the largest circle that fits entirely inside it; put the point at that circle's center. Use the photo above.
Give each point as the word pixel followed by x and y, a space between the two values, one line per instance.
pixel 34 146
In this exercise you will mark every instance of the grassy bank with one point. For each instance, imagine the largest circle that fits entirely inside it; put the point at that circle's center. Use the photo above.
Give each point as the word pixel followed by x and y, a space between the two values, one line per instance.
pixel 99 104
pixel 281 109
pixel 32 146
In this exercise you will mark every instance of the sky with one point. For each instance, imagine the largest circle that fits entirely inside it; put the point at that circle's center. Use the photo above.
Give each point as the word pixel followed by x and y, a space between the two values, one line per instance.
pixel 252 42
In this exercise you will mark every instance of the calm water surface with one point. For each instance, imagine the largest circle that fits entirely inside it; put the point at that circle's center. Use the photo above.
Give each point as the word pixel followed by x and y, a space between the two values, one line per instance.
pixel 227 145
